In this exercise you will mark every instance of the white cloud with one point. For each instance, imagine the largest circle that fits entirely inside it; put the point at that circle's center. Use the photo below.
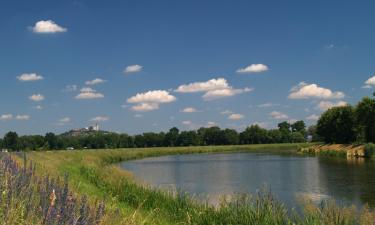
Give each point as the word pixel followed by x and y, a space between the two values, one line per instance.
pixel 133 69
pixel 253 68
pixel 278 115
pixel 6 117
pixel 150 100
pixel 261 124
pixel 222 93
pixel 22 117
pixel 226 112
pixel 95 81
pixel 324 105
pixel 89 93
pixel 38 107
pixel 189 110
pixel 29 77
pixel 211 124
pixel 370 82
pixel 312 117
pixel 65 120
pixel 70 88
pixel 100 119
pixel 266 105
pixel 367 86
pixel 214 88
pixel 210 85
pixel 235 116
pixel 306 91
pixel 187 123
pixel 144 107
pixel 157 96
pixel 138 116
pixel 36 97
pixel 47 26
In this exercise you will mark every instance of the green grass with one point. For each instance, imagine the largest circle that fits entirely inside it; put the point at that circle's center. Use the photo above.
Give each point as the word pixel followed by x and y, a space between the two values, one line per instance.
pixel 95 173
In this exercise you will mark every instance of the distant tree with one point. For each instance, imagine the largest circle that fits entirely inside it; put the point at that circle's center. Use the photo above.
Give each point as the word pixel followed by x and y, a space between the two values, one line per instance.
pixel 365 114
pixel 253 135
pixel 284 126
pixel 297 137
pixel 337 125
pixel 299 126
pixel 311 131
pixel 139 141
pixel 171 137
pixel 188 138
pixel 274 136
pixel 51 140
pixel 230 137
pixel 11 141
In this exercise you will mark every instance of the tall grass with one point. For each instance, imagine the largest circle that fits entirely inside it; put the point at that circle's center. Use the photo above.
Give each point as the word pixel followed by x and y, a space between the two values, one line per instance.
pixel 94 173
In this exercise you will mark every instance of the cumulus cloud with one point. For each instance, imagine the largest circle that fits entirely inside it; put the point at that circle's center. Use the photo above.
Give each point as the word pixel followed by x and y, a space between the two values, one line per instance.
pixel 254 68
pixel 235 116
pixel 226 112
pixel 36 97
pixel 187 123
pixel 95 81
pixel 211 124
pixel 38 107
pixel 278 115
pixel 222 93
pixel 150 100
pixel 210 85
pixel 370 82
pixel 29 77
pixel 65 120
pixel 22 117
pixel 157 96
pixel 100 119
pixel 312 117
pixel 306 91
pixel 133 69
pixel 214 88
pixel 325 105
pixel 267 105
pixel 189 110
pixel 89 93
pixel 47 26
pixel 70 88
pixel 6 117
pixel 144 107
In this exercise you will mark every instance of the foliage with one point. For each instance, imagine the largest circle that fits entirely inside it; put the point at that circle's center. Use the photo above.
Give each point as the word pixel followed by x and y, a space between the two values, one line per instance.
pixel 29 199
pixel 337 125
pixel 295 133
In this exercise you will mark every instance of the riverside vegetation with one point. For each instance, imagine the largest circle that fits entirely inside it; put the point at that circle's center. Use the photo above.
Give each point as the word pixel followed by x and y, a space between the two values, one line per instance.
pixel 94 173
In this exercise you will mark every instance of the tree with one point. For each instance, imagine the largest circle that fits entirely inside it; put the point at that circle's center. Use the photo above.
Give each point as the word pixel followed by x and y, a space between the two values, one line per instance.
pixel 284 126
pixel 337 125
pixel 11 141
pixel 299 126
pixel 230 137
pixel 51 140
pixel 253 135
pixel 365 113
pixel 171 137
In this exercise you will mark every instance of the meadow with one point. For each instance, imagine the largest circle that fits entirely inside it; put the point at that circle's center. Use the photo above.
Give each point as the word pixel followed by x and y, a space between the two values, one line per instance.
pixel 109 195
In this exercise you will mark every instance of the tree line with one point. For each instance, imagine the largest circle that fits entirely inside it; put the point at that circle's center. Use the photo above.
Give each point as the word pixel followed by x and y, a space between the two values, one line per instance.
pixel 348 124
pixel 254 134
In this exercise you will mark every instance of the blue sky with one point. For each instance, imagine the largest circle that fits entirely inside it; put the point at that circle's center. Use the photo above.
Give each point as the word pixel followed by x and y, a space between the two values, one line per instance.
pixel 229 63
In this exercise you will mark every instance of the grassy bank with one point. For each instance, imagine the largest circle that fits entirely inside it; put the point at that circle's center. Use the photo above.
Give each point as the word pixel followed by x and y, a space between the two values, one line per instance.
pixel 340 150
pixel 94 173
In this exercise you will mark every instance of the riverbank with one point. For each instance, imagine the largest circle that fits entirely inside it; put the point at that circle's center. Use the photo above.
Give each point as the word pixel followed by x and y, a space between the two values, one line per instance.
pixel 340 150
pixel 94 173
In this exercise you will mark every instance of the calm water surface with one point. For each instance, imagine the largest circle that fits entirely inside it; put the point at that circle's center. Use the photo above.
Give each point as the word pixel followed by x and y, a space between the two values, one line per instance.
pixel 214 175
